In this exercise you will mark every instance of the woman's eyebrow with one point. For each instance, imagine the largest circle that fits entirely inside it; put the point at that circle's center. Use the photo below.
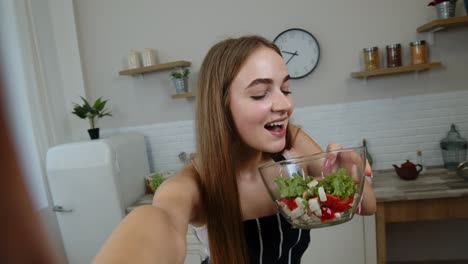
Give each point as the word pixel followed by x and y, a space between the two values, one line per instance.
pixel 265 81
pixel 259 81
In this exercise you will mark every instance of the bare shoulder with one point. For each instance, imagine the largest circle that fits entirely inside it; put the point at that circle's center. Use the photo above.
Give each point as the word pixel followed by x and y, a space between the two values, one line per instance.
pixel 302 143
pixel 179 197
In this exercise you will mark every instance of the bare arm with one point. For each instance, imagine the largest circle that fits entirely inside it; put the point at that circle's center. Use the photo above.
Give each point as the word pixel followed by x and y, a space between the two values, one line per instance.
pixel 155 233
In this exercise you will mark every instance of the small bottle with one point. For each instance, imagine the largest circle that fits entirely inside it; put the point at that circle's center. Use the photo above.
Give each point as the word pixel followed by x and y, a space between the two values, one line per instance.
pixel 420 160
pixel 371 58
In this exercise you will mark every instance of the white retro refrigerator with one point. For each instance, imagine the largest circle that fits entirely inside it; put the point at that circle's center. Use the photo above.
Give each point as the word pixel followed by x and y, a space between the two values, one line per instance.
pixel 92 183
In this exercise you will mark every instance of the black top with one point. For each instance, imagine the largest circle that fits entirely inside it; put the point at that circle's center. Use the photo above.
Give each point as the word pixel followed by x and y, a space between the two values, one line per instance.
pixel 271 239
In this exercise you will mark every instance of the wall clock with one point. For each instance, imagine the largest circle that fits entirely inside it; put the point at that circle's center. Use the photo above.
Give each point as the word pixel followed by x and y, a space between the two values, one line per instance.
pixel 300 50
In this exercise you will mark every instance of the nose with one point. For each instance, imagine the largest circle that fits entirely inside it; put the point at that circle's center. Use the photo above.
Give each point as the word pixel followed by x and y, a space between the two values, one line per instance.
pixel 281 102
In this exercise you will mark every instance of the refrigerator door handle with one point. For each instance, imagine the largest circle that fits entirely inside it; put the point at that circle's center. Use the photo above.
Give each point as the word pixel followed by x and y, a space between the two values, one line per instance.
pixel 59 208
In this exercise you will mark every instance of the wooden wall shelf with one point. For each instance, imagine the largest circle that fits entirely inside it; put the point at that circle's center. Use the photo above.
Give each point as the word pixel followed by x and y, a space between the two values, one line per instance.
pixel 396 70
pixel 156 68
pixel 183 95
pixel 441 24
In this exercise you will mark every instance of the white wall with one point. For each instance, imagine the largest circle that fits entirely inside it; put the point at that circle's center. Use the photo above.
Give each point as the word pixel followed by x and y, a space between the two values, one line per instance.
pixel 108 29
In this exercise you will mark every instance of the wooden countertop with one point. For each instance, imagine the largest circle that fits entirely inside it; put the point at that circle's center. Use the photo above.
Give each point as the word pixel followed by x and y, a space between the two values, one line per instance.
pixel 434 183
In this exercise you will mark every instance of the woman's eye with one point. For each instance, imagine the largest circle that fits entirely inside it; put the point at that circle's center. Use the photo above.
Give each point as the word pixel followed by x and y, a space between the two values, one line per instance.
pixel 286 92
pixel 258 97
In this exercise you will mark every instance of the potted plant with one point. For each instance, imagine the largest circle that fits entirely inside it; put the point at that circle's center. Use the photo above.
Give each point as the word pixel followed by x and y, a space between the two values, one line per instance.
pixel 180 80
pixel 92 113
pixel 445 8
pixel 152 182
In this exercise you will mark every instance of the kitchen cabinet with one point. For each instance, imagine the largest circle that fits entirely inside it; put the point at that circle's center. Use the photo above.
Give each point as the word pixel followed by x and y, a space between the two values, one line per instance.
pixel 161 67
pixel 344 243
pixel 436 195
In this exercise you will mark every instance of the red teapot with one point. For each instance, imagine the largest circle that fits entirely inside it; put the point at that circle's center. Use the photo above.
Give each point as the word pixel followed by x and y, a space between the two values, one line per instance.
pixel 408 170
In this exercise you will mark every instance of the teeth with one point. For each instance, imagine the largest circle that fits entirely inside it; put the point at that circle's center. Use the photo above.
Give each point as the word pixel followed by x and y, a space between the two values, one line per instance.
pixel 276 123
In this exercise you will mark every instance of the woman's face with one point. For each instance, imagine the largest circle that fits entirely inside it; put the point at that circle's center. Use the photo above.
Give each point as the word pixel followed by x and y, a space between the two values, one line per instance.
pixel 260 102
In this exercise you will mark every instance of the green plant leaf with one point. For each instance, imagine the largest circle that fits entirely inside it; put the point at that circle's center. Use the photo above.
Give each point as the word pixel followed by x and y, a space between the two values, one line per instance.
pixel 97 110
pixel 179 74
pixel 155 181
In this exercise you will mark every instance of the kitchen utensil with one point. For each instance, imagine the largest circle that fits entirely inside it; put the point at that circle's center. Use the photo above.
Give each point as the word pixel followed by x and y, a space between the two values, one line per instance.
pixel 408 170
pixel 453 148
pixel 323 190
pixel 462 170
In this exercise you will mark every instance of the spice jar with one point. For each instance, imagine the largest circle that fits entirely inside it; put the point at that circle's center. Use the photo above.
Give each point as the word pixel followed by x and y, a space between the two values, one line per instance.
pixel 393 55
pixel 418 52
pixel 371 58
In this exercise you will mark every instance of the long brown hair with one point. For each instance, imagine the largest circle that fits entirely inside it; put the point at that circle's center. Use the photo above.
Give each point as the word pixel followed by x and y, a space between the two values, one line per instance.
pixel 216 136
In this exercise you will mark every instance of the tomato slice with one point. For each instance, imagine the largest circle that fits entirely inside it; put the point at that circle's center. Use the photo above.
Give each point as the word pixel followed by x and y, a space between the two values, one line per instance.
pixel 337 204
pixel 327 214
pixel 290 203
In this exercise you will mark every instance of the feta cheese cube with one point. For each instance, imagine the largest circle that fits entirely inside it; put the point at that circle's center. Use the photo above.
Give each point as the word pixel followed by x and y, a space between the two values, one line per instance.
pixel 299 202
pixel 318 213
pixel 312 184
pixel 314 204
pixel 322 195
pixel 296 213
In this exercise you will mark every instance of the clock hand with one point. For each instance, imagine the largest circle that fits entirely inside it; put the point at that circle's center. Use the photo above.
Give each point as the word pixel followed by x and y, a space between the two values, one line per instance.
pixel 293 54
pixel 288 52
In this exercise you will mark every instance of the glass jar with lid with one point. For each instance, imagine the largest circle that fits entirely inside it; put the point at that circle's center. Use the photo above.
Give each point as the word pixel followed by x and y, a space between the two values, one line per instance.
pixel 453 148
pixel 393 55
pixel 418 52
pixel 371 58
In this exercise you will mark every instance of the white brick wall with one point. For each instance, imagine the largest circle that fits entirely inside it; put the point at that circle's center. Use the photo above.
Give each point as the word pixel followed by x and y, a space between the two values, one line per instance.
pixel 394 128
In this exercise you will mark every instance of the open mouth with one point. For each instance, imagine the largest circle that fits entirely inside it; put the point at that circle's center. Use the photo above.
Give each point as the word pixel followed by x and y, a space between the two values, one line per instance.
pixel 276 126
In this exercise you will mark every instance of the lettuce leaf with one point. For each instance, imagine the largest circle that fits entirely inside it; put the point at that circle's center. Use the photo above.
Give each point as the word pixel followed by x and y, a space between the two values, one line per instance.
pixel 291 187
pixel 337 184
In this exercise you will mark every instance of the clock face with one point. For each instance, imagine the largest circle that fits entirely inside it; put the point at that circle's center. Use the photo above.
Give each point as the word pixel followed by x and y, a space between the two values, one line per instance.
pixel 300 50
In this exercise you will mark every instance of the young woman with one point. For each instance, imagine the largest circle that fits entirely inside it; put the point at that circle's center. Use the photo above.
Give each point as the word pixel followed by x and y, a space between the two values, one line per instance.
pixel 242 122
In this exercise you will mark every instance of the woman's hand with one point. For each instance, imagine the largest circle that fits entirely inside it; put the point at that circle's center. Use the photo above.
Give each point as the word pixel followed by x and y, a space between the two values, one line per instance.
pixel 330 161
pixel 367 205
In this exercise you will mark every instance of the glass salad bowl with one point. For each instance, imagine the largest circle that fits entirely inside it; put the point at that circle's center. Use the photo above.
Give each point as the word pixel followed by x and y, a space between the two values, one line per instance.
pixel 319 190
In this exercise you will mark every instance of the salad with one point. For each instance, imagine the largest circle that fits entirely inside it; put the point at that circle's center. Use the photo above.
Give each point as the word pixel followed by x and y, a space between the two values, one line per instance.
pixel 309 200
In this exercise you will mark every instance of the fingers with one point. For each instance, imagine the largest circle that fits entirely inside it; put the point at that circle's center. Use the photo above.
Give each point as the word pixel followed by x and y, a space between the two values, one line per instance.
pixel 368 169
pixel 334 146
pixel 344 157
pixel 331 157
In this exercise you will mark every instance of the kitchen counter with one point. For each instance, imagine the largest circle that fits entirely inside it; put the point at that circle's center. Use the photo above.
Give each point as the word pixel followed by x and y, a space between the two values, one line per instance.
pixel 438 194
pixel 434 183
